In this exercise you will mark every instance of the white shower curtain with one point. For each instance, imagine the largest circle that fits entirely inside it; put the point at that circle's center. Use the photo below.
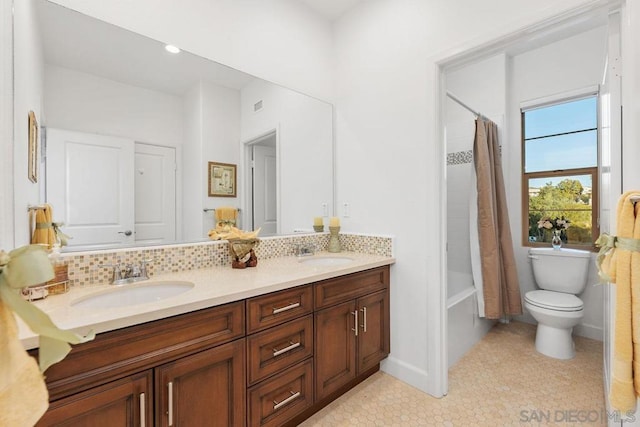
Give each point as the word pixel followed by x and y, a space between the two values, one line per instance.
pixel 476 267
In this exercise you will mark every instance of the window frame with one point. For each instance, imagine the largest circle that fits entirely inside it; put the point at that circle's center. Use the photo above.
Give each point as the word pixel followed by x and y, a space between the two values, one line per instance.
pixel 594 171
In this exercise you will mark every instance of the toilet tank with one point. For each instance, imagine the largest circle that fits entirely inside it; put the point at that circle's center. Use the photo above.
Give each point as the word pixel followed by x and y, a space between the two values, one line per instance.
pixel 560 270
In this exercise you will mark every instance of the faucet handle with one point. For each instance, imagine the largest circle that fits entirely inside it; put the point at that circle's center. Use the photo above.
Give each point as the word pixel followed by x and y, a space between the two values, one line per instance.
pixel 143 266
pixel 117 271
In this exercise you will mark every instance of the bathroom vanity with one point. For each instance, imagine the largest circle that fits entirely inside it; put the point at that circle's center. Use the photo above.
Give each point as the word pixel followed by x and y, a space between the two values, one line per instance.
pixel 269 359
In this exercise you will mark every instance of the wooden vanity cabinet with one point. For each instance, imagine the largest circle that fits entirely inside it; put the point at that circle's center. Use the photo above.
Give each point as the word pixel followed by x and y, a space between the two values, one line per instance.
pixel 121 378
pixel 351 328
pixel 294 352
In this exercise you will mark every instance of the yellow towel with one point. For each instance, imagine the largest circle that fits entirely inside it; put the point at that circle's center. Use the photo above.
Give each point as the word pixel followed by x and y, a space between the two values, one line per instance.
pixel 226 215
pixel 43 232
pixel 23 394
pixel 622 393
pixel 635 301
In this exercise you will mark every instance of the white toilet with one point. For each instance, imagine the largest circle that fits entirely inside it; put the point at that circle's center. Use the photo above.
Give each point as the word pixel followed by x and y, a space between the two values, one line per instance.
pixel 560 274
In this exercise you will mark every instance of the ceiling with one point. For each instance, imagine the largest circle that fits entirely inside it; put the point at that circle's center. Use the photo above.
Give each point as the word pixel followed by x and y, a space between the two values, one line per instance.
pixel 79 42
pixel 331 9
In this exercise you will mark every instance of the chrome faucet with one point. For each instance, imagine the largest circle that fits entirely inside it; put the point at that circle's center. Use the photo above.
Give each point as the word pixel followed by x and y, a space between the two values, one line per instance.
pixel 304 249
pixel 129 273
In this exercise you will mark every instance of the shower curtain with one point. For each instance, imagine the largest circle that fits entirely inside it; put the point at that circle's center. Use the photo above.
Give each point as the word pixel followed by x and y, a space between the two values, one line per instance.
pixel 493 260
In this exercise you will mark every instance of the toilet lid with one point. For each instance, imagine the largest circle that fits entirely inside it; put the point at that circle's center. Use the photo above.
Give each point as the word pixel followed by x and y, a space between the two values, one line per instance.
pixel 554 300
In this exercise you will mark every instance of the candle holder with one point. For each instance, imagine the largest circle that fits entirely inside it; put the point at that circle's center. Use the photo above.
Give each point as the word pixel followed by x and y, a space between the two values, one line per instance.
pixel 334 239
pixel 318 228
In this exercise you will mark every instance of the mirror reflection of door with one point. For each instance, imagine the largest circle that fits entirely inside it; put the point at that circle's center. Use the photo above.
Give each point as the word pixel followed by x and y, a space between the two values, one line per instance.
pixel 91 181
pixel 89 184
pixel 155 194
pixel 264 193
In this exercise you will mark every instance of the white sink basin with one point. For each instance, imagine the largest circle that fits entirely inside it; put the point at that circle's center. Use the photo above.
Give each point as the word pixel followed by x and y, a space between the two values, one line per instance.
pixel 134 294
pixel 327 260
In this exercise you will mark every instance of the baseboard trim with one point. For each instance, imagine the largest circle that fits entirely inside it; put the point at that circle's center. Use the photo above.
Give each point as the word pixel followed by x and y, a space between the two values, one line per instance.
pixel 589 331
pixel 409 374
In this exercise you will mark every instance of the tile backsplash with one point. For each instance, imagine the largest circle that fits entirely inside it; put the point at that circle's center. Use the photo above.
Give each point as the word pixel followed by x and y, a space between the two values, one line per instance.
pixel 84 267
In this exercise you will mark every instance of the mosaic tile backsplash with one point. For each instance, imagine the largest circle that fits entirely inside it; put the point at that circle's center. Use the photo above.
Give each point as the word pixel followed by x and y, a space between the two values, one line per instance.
pixel 460 158
pixel 84 268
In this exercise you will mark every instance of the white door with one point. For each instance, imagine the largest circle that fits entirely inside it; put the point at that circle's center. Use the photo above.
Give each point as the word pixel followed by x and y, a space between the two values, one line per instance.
pixel 89 184
pixel 265 212
pixel 155 194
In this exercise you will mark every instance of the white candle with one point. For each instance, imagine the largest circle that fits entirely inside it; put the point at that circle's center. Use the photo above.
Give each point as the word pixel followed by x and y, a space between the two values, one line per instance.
pixel 334 222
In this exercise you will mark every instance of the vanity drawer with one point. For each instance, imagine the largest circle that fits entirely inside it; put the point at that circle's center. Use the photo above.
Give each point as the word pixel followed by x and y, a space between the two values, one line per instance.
pixel 277 348
pixel 118 353
pixel 273 402
pixel 273 309
pixel 345 288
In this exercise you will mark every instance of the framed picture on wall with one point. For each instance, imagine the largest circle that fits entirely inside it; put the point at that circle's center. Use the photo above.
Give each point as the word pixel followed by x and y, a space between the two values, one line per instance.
pixel 222 179
pixel 33 148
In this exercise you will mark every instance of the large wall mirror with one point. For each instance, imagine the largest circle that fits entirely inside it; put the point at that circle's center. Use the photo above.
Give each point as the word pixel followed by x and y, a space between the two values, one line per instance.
pixel 130 131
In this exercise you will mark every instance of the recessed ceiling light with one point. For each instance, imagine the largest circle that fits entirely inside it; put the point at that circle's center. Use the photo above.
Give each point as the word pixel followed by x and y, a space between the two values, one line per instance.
pixel 171 48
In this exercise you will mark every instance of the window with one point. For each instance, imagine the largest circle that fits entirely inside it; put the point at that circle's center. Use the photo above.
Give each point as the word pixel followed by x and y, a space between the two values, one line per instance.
pixel 560 171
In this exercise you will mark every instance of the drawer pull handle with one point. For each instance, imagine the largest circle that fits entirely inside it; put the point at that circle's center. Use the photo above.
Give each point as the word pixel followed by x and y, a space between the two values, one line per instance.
pixel 364 319
pixel 355 322
pixel 278 405
pixel 286 308
pixel 291 346
pixel 143 411
pixel 170 402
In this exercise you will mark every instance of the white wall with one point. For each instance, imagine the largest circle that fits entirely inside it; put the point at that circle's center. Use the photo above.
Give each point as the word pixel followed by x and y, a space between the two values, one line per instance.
pixel 211 134
pixel 6 125
pixel 282 41
pixel 305 152
pixel 221 143
pixel 28 82
pixel 192 214
pixel 83 102
pixel 571 64
pixel 386 126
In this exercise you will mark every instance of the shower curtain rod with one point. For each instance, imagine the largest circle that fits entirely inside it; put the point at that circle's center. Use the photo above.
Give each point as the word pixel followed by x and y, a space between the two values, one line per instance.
pixel 456 99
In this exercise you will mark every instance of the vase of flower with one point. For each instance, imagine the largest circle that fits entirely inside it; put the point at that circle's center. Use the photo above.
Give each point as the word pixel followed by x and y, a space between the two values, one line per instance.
pixel 556 240
pixel 557 227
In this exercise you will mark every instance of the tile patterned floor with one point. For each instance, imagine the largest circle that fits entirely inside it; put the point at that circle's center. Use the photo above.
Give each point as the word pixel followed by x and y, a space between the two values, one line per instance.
pixel 502 381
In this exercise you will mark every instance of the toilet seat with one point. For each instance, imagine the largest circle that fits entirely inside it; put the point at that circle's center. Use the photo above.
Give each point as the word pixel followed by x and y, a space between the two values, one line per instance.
pixel 557 301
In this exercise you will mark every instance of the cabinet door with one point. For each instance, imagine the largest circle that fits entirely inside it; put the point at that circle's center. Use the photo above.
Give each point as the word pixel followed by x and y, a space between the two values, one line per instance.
pixel 373 335
pixel 335 342
pixel 205 389
pixel 126 402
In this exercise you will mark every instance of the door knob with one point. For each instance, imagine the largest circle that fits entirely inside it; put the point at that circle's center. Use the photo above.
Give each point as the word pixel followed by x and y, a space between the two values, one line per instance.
pixel 126 233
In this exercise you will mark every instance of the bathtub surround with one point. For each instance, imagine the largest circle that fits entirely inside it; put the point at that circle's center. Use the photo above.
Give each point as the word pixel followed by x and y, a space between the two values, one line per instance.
pixel 465 327
pixel 84 270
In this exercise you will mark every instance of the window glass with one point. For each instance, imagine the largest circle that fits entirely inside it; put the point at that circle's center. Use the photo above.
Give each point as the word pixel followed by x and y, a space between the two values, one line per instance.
pixel 562 118
pixel 572 151
pixel 564 203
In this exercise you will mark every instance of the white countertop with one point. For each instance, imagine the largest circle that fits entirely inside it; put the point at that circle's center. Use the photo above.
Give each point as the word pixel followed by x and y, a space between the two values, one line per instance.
pixel 213 286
